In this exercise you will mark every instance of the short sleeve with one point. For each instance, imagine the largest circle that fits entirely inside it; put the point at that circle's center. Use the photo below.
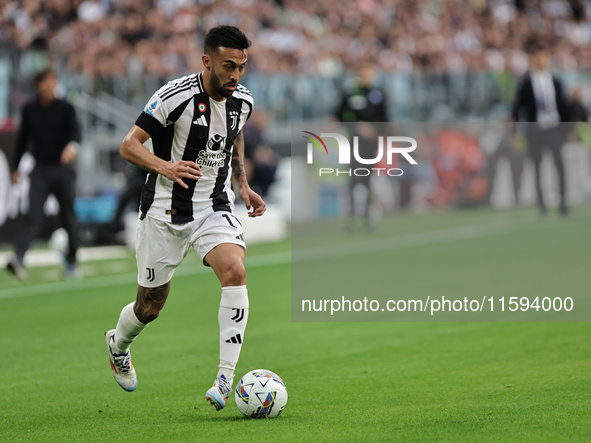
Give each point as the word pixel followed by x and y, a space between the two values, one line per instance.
pixel 246 111
pixel 157 109
pixel 154 118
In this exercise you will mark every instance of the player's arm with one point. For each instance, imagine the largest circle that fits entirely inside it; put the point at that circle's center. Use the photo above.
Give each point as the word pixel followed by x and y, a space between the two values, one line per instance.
pixel 251 199
pixel 132 149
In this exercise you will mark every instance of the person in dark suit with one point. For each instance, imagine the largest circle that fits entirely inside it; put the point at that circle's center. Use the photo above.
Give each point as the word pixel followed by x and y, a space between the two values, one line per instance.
pixel 541 102
pixel 364 106
pixel 51 124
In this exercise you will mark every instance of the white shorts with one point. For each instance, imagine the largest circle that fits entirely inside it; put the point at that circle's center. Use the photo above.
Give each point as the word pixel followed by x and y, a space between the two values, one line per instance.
pixel 161 246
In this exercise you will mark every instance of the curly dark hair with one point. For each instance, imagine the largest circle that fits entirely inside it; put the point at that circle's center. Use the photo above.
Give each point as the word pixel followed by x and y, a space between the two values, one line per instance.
pixel 226 36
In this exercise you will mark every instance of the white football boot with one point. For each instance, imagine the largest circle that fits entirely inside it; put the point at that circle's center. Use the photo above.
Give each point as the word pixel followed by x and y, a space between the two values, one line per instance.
pixel 121 365
pixel 218 394
pixel 17 269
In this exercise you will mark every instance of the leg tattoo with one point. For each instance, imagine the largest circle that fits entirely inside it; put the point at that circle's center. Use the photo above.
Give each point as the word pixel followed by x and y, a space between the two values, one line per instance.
pixel 150 302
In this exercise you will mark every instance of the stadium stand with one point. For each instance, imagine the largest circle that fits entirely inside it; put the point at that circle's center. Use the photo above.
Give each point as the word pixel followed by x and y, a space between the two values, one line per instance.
pixel 454 60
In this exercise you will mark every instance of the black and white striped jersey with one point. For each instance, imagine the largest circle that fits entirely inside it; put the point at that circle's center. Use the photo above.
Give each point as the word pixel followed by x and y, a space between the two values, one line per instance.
pixel 184 123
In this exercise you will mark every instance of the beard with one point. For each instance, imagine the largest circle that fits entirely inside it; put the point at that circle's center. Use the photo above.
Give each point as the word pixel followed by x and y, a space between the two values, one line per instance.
pixel 217 85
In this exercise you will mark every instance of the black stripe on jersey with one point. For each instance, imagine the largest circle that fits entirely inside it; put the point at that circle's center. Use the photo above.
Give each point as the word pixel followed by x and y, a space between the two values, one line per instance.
pixel 249 107
pixel 182 199
pixel 162 148
pixel 147 196
pixel 242 101
pixel 219 197
pixel 178 111
pixel 183 86
pixel 242 90
pixel 162 138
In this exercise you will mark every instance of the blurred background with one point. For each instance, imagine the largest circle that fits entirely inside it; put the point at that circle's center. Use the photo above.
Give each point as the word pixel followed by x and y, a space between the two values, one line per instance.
pixel 433 60
pixel 463 223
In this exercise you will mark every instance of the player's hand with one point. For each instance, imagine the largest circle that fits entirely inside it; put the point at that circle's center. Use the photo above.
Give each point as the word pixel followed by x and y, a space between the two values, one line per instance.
pixel 15 177
pixel 253 201
pixel 69 154
pixel 177 171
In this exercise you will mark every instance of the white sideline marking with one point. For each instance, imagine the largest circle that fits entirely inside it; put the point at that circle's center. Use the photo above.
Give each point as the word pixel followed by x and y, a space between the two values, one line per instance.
pixel 130 278
pixel 49 257
pixel 277 258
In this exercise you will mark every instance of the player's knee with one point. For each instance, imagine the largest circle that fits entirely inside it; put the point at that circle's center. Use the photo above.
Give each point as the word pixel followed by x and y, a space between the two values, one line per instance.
pixel 145 312
pixel 234 274
pixel 150 302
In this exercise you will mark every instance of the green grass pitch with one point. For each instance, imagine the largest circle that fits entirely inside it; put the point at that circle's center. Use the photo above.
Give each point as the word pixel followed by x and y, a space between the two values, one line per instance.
pixel 346 381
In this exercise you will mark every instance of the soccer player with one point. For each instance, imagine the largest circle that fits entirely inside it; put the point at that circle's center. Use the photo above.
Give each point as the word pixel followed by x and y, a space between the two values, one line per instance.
pixel 195 127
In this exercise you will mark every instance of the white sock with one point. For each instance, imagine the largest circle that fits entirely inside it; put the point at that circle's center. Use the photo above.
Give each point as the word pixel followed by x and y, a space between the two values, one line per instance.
pixel 128 328
pixel 232 318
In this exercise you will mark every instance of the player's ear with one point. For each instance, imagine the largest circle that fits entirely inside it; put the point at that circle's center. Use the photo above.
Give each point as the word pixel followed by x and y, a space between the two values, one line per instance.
pixel 206 59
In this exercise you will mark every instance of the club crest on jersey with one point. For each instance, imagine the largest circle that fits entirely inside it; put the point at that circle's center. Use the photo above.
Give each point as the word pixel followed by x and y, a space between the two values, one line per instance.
pixel 216 143
pixel 234 119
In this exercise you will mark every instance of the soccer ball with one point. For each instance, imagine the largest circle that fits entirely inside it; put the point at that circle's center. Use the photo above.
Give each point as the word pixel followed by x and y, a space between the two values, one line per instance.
pixel 261 394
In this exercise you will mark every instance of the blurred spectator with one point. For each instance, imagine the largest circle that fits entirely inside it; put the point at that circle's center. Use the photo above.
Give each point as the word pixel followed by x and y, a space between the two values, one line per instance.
pixel 260 161
pixel 417 184
pixel 464 53
pixel 308 36
pixel 362 105
pixel 580 115
pixel 578 110
pixel 540 101
pixel 129 197
pixel 512 147
pixel 91 11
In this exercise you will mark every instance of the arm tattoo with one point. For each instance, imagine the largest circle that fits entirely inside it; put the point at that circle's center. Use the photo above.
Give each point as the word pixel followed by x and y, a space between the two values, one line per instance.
pixel 238 160
pixel 150 302
pixel 238 171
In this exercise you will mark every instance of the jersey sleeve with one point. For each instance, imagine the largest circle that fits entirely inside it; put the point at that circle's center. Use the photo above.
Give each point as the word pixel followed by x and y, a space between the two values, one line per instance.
pixel 154 118
pixel 246 111
pixel 247 100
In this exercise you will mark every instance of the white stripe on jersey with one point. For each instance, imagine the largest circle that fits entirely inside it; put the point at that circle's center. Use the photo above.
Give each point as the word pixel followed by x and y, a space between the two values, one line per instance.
pixel 217 117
